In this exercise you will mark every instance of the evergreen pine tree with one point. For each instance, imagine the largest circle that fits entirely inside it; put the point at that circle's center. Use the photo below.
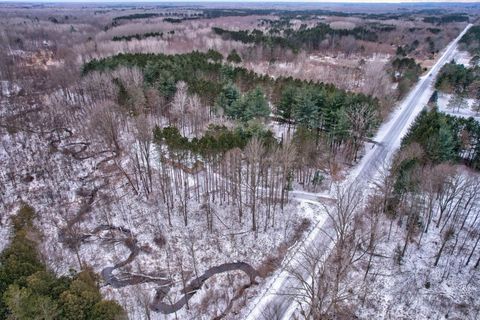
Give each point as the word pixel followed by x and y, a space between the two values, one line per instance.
pixel 306 112
pixel 287 103
pixel 256 105
pixel 227 98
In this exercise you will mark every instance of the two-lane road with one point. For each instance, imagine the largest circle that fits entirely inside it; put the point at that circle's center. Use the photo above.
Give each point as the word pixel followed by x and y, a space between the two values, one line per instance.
pixel 272 303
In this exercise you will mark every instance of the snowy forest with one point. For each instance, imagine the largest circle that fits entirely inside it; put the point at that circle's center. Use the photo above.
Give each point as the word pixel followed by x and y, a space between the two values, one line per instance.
pixel 296 161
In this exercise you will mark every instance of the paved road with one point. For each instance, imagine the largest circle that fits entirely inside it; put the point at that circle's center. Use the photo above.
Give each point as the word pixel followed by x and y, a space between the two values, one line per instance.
pixel 272 303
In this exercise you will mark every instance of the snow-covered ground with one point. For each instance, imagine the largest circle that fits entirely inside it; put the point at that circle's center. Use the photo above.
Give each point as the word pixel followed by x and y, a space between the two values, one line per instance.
pixel 388 139
pixel 462 57
pixel 51 181
pixel 466 111
pixel 416 288
pixel 40 171
pixel 8 88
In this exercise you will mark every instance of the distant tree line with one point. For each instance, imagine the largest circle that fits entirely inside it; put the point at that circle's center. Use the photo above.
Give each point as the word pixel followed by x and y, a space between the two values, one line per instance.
pixel 381 27
pixel 136 16
pixel 435 16
pixel 313 36
pixel 306 38
pixel 448 18
pixel 255 36
pixel 137 36
pixel 174 20
pixel 471 40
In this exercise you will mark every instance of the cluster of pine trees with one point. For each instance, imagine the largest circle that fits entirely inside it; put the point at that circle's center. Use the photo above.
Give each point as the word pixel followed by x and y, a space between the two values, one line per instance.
pixel 303 38
pixel 256 36
pixel 471 40
pixel 445 138
pixel 458 79
pixel 216 140
pixel 245 167
pixel 244 95
pixel 28 290
pixel 251 105
pixel 405 71
pixel 136 16
pixel 138 36
pixel 447 18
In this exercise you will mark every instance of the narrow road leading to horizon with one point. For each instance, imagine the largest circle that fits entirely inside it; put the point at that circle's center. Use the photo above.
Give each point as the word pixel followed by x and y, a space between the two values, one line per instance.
pixel 273 303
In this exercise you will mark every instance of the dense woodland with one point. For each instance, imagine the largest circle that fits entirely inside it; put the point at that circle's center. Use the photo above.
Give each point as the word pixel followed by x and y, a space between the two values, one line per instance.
pixel 29 290
pixel 342 118
pixel 308 38
pixel 405 71
pixel 138 36
pixel 460 80
pixel 424 218
pixel 445 138
pixel 471 40
pixel 157 143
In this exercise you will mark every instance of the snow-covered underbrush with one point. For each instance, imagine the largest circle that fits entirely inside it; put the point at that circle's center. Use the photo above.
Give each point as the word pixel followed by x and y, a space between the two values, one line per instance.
pixel 76 187
pixel 427 269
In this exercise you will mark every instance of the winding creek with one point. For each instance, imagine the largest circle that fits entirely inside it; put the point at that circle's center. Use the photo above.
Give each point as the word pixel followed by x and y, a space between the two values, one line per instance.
pixel 128 239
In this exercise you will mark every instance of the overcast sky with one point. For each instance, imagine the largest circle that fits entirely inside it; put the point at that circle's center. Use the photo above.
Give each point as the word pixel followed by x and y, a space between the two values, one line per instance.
pixel 242 1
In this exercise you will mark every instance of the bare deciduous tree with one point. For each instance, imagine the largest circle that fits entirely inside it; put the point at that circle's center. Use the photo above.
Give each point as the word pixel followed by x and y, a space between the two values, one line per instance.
pixel 254 153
